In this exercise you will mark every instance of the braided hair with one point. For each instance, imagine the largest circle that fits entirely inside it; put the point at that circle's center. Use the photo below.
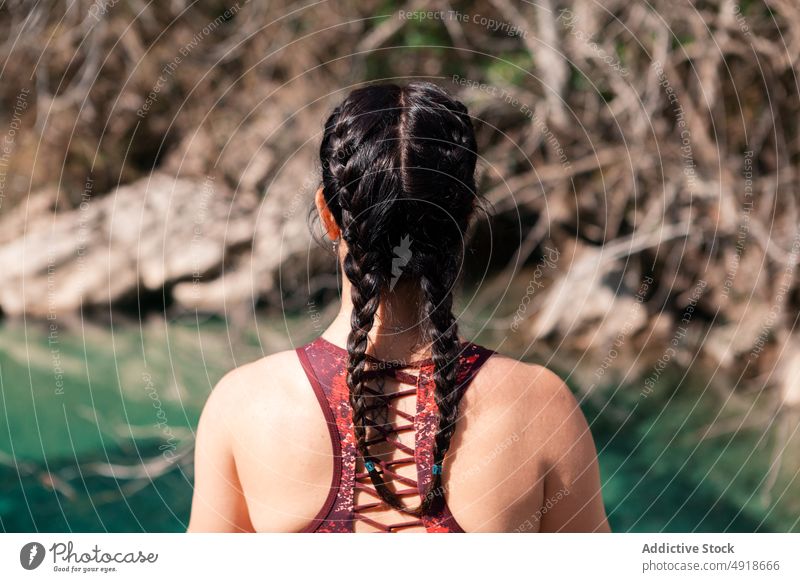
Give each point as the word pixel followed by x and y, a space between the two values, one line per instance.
pixel 399 163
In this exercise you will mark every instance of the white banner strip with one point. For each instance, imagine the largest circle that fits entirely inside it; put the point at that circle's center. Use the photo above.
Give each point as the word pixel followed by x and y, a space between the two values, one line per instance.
pixel 618 557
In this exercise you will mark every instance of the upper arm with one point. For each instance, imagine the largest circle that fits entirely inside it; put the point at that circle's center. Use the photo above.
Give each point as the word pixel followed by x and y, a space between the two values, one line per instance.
pixel 572 498
pixel 218 502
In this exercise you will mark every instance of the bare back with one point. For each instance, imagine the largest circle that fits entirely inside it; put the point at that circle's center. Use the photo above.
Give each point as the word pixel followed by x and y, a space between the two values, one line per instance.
pixel 521 458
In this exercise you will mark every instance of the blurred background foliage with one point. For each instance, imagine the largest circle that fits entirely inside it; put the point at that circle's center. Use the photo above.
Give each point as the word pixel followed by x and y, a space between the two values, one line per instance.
pixel 157 170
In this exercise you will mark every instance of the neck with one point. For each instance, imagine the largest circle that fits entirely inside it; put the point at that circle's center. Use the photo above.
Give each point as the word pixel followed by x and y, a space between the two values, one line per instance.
pixel 396 333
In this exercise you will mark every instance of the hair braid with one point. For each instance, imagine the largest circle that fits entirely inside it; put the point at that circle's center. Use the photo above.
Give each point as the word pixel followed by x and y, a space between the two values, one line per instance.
pixel 399 164
pixel 364 266
pixel 367 285
pixel 442 330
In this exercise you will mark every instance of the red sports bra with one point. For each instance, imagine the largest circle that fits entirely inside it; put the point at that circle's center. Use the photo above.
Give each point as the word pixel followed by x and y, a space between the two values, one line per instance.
pixel 325 365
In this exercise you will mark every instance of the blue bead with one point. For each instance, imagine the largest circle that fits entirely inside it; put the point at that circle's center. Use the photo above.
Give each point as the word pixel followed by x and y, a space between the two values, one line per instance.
pixel 437 469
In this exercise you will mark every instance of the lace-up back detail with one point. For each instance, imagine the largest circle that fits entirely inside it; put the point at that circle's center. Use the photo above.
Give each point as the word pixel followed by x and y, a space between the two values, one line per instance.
pixel 352 497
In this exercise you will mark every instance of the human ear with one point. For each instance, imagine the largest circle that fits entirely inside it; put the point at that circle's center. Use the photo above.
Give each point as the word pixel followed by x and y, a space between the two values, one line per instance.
pixel 328 222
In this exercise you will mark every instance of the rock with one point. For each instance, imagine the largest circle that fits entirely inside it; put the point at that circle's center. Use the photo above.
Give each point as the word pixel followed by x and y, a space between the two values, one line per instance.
pixel 788 371
pixel 278 234
pixel 151 234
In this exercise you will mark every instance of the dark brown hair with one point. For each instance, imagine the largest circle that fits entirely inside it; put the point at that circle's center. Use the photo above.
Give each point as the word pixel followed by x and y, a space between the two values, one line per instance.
pixel 398 164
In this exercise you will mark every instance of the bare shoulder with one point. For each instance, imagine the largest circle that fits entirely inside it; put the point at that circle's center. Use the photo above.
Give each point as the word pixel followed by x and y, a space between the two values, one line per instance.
pixel 532 394
pixel 269 377
pixel 542 402
pixel 261 389
pixel 259 418
pixel 533 423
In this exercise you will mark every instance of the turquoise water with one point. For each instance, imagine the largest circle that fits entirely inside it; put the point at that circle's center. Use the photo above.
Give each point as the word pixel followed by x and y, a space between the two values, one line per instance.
pixel 106 446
